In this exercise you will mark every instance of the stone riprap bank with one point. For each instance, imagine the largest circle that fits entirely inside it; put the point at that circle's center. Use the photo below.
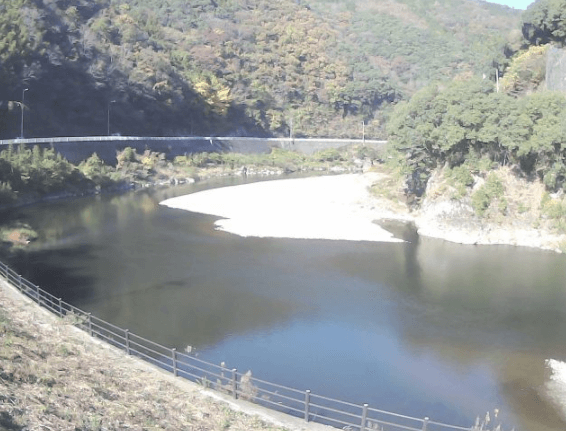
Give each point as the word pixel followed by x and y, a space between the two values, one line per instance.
pixel 77 149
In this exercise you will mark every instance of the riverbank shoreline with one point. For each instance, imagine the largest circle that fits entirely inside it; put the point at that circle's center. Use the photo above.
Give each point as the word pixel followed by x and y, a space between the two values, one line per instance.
pixel 334 207
pixel 343 208
pixel 328 207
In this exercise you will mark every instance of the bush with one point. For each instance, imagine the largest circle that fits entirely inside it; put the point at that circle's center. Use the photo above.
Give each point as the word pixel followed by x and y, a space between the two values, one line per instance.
pixel 329 155
pixel 128 155
pixel 554 209
pixel 491 190
pixel 554 177
pixel 96 170
pixel 36 171
pixel 366 152
pixel 460 178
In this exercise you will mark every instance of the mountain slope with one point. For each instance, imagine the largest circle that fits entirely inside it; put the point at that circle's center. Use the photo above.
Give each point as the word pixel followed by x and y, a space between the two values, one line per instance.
pixel 147 67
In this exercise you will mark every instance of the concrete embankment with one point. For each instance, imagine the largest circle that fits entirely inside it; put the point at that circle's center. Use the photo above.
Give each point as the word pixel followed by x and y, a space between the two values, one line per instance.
pixel 76 149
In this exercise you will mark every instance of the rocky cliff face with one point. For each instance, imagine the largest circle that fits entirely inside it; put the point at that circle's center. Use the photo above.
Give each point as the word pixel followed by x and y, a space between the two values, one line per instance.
pixel 556 69
pixel 446 214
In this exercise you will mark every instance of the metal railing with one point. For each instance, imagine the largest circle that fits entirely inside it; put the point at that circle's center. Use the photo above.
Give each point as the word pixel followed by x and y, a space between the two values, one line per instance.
pixel 59 140
pixel 302 404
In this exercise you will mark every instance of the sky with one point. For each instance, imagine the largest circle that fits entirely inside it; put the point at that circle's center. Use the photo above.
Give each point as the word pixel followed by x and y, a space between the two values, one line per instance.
pixel 517 4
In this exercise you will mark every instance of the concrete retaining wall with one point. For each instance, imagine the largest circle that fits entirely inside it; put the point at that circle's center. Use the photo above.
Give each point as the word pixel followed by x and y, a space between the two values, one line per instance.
pixel 76 149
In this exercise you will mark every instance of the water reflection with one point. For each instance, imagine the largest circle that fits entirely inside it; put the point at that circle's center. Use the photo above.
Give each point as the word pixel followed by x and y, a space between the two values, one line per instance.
pixel 425 328
pixel 498 306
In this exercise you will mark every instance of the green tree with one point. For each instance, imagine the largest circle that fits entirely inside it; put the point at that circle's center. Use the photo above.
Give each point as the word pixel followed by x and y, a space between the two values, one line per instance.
pixel 545 21
pixel 444 124
pixel 544 149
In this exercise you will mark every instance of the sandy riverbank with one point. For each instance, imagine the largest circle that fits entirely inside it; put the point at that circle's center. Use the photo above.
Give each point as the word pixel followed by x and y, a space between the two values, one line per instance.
pixel 331 207
pixel 341 207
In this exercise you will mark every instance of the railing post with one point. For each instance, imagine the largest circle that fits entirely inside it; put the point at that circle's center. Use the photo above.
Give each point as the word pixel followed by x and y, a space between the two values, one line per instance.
pixel 307 403
pixel 60 308
pixel 425 423
pixel 90 325
pixel 19 282
pixel 364 417
pixel 235 383
pixel 174 357
pixel 127 337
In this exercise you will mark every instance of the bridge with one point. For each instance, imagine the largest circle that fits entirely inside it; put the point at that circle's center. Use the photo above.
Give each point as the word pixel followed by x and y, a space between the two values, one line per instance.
pixel 76 149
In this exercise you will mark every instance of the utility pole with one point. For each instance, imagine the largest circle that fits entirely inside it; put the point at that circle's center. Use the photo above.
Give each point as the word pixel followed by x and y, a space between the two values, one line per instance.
pixel 22 104
pixel 363 132
pixel 108 122
pixel 291 130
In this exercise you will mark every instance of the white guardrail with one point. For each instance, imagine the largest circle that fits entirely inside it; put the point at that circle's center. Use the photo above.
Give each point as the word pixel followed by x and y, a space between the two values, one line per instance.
pixel 59 140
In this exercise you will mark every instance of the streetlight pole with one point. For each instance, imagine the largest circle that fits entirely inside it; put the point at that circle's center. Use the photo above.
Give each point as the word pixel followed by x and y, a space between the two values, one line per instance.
pixel 108 122
pixel 22 106
pixel 291 131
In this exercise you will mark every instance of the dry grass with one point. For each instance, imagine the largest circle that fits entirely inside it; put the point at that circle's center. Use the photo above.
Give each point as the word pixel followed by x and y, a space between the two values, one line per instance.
pixel 524 197
pixel 54 377
pixel 389 188
pixel 520 203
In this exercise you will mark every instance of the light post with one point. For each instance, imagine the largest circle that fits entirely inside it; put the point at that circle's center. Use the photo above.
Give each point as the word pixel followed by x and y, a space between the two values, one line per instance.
pixel 108 122
pixel 22 106
pixel 291 132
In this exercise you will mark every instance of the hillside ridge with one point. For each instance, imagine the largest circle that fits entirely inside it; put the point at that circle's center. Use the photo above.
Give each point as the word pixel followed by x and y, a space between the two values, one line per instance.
pixel 237 67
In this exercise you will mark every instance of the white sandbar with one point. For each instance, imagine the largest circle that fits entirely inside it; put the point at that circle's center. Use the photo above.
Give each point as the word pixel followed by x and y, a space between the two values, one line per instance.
pixel 332 207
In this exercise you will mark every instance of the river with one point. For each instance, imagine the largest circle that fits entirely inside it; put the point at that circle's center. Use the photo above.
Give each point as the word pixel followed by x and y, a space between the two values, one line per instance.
pixel 423 328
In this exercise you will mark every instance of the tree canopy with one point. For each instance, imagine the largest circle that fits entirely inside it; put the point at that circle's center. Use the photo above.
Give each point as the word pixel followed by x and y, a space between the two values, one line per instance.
pixel 463 120
pixel 545 21
pixel 235 66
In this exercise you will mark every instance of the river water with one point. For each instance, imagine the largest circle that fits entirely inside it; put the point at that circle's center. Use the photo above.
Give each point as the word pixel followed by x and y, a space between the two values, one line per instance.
pixel 424 328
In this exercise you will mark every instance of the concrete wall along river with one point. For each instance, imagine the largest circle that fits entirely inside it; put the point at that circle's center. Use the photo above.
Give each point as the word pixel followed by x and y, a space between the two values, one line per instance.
pixel 76 149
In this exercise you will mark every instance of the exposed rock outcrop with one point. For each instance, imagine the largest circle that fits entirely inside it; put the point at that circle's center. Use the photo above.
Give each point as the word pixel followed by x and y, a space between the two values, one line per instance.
pixel 445 215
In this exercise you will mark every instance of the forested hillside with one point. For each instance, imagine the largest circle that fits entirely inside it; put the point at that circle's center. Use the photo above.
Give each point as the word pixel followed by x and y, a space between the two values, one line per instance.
pixel 253 67
pixel 471 126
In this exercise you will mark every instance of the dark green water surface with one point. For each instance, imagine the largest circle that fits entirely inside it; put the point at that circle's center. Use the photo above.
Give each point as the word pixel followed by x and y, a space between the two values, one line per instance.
pixel 426 328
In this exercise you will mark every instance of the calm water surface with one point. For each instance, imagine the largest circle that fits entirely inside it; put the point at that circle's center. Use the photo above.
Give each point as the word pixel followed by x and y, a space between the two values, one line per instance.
pixel 426 328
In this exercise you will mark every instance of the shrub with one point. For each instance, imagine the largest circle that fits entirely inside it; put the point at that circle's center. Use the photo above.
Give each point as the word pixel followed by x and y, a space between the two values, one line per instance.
pixel 96 170
pixel 128 155
pixel 329 155
pixel 460 178
pixel 554 209
pixel 491 190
